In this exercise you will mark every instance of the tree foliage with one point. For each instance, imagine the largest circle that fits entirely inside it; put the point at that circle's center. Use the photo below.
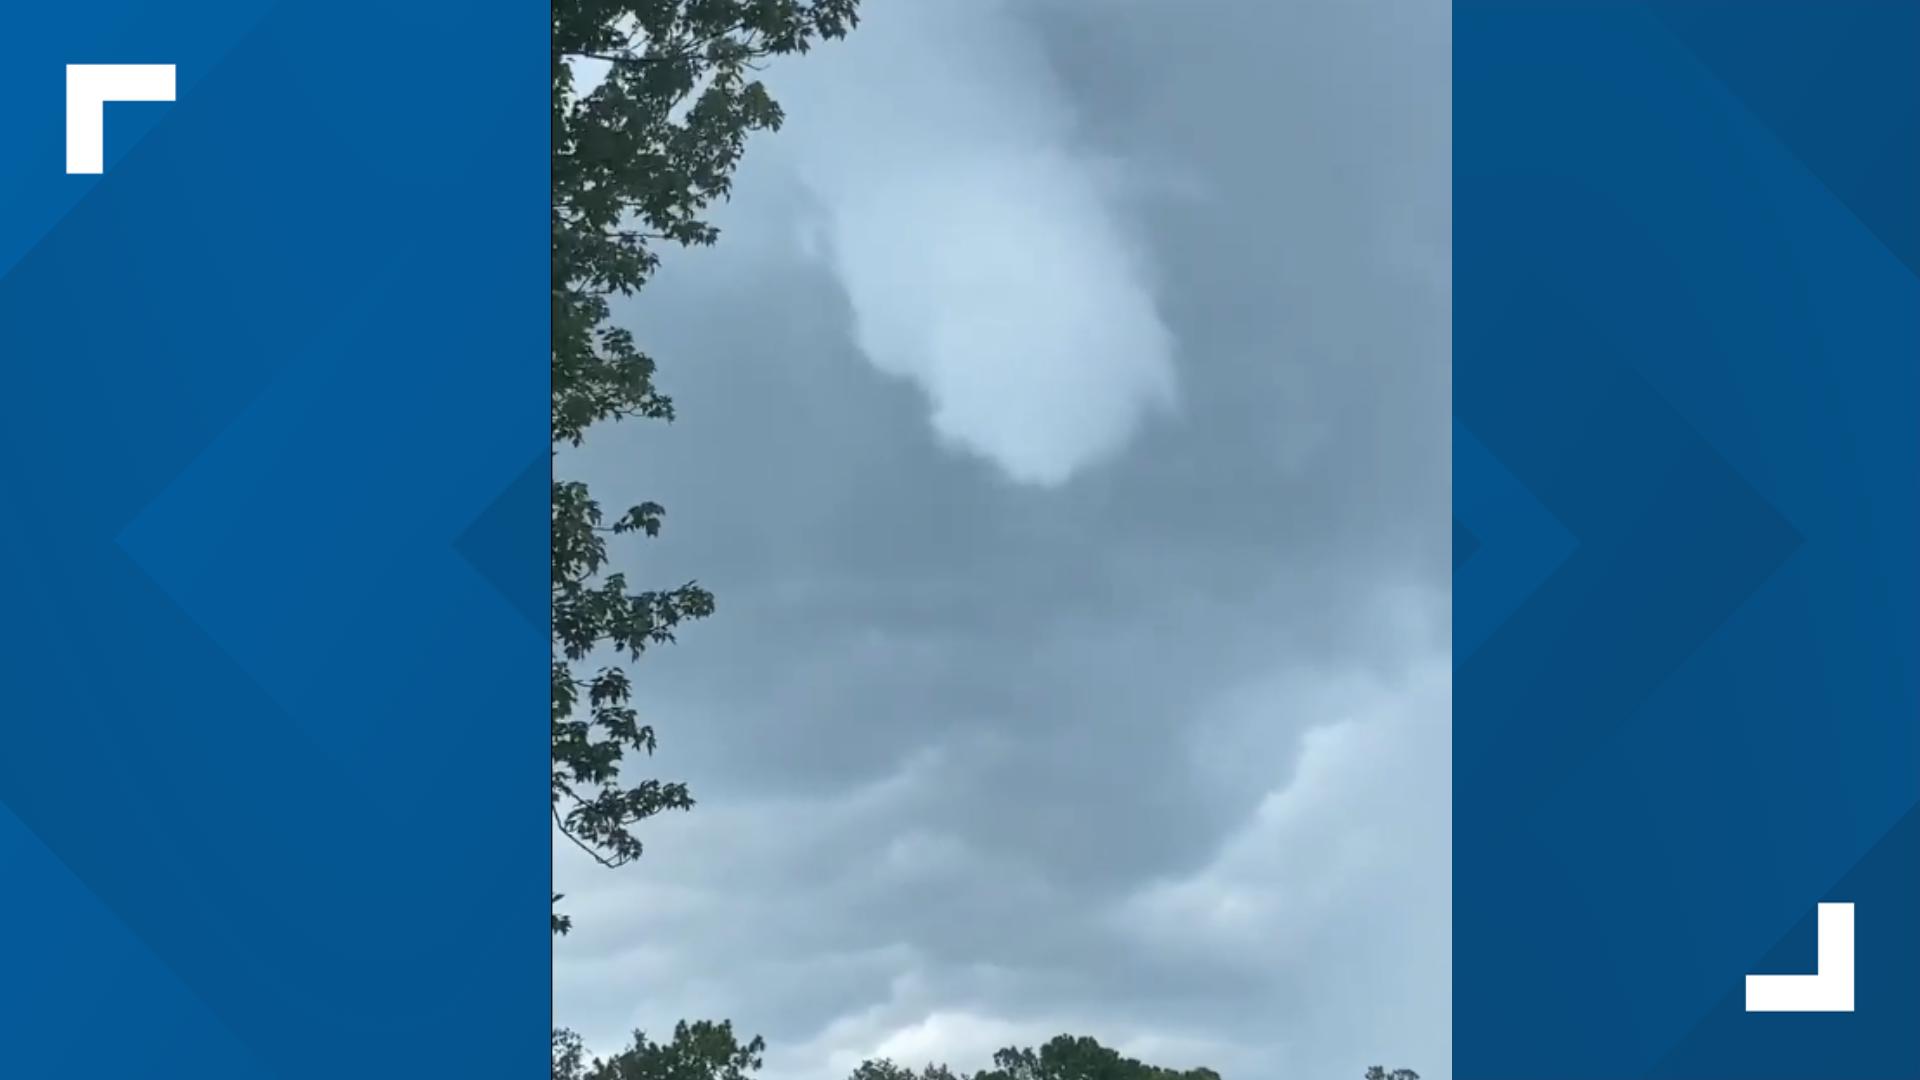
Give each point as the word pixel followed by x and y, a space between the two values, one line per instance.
pixel 1066 1057
pixel 702 1051
pixel 638 158
pixel 712 1052
pixel 887 1070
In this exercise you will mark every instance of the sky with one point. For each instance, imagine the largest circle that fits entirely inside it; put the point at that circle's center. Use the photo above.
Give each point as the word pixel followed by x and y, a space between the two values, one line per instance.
pixel 1064 434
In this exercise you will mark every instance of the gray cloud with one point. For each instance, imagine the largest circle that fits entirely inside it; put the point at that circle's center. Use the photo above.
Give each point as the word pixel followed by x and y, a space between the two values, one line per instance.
pixel 977 242
pixel 1153 747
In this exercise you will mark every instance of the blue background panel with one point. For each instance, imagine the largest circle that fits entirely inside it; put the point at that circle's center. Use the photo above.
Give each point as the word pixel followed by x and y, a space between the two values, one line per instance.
pixel 273 447
pixel 1687 459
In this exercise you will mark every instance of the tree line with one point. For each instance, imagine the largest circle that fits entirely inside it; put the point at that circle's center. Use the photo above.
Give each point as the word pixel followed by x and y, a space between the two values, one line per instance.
pixel 709 1051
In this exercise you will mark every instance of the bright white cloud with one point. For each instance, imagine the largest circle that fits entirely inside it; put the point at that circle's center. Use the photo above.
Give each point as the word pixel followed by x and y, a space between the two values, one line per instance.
pixel 983 254
pixel 907 1032
pixel 940 1036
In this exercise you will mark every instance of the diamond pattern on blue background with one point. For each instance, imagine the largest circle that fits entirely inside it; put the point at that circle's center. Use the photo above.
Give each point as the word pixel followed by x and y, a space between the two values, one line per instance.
pixel 1686 326
pixel 509 554
pixel 271 796
pixel 1519 542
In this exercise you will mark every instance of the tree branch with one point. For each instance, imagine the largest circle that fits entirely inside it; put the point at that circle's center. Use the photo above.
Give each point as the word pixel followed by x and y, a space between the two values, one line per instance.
pixel 611 864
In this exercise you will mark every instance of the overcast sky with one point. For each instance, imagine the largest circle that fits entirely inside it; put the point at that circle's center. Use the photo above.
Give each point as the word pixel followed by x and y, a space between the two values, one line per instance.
pixel 1064 432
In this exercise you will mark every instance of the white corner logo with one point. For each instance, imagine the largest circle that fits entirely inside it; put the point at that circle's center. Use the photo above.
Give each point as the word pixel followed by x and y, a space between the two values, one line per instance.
pixel 1829 989
pixel 89 88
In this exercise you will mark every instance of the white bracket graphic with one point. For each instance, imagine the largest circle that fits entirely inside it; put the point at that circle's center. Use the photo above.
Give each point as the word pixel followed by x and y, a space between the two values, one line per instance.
pixel 89 88
pixel 1829 989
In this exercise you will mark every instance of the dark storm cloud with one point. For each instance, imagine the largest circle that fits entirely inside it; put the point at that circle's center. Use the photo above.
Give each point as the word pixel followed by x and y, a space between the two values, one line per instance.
pixel 1123 709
